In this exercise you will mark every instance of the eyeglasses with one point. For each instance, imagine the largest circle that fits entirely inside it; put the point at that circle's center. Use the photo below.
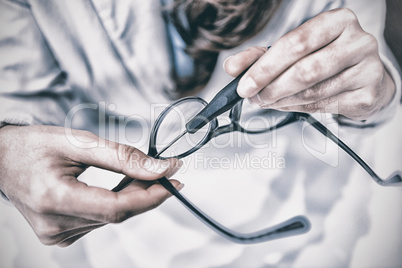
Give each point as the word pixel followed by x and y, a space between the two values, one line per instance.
pixel 194 116
pixel 165 142
pixel 168 139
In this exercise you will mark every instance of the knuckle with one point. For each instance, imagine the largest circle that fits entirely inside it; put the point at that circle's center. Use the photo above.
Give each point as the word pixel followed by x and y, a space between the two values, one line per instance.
pixel 377 72
pixel 307 71
pixel 347 15
pixel 369 42
pixel 38 206
pixel 45 199
pixel 309 94
pixel 296 42
pixel 261 68
pixel 41 201
pixel 368 102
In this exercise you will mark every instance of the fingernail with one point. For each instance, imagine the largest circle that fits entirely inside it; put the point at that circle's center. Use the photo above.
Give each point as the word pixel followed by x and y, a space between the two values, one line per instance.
pixel 180 186
pixel 247 87
pixel 224 63
pixel 174 170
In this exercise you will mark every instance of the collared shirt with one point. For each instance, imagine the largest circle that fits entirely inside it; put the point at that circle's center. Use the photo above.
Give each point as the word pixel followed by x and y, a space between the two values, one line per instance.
pixel 74 60
pixel 58 55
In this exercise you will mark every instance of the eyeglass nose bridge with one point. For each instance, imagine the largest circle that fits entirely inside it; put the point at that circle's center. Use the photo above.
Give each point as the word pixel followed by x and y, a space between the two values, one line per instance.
pixel 231 127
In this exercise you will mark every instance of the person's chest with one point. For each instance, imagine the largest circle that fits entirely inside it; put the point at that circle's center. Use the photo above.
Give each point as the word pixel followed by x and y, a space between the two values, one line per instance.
pixel 112 51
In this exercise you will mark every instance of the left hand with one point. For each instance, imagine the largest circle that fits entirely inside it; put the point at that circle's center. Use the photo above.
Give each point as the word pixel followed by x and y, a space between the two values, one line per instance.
pixel 39 167
pixel 328 64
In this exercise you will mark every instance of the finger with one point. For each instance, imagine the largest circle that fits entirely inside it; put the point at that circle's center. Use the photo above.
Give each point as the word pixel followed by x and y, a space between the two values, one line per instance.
pixel 69 237
pixel 328 105
pixel 117 157
pixel 345 81
pixel 357 77
pixel 307 38
pixel 315 68
pixel 309 71
pixel 358 104
pixel 127 181
pixel 151 186
pixel 106 206
pixel 138 185
pixel 236 64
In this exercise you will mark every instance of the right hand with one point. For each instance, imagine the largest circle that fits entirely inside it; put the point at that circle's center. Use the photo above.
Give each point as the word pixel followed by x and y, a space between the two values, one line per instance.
pixel 38 173
pixel 328 64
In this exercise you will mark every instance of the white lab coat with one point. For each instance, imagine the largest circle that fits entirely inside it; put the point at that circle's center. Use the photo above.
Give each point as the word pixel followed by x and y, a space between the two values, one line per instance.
pixel 83 63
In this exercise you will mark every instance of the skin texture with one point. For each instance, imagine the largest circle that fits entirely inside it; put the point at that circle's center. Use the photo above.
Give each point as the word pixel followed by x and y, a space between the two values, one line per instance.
pixel 328 64
pixel 39 167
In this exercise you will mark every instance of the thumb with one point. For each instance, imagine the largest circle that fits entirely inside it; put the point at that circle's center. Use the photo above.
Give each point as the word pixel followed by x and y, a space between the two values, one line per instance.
pixel 120 158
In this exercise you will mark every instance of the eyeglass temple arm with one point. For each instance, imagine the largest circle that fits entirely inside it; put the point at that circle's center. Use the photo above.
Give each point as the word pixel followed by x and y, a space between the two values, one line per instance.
pixel 394 179
pixel 293 226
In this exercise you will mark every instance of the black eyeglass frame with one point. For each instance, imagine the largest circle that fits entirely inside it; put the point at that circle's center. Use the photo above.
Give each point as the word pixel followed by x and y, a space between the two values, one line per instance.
pixel 293 226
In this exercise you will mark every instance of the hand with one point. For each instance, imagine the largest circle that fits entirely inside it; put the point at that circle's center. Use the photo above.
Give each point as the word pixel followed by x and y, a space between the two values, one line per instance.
pixel 38 173
pixel 327 64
